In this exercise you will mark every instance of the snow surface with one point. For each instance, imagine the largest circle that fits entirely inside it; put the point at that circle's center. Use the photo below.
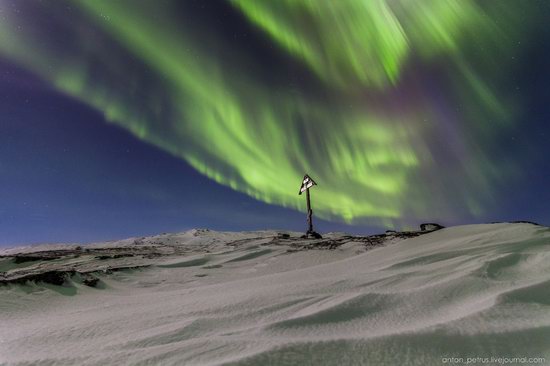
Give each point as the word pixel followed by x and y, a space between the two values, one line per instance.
pixel 468 291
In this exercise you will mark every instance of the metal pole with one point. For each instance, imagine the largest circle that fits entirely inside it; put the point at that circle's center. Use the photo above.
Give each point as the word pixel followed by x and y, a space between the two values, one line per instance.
pixel 309 213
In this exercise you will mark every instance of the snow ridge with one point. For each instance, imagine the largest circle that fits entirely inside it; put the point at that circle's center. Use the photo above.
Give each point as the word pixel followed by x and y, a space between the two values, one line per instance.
pixel 467 291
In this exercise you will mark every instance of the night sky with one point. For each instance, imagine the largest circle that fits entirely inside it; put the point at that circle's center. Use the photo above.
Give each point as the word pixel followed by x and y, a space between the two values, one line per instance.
pixel 130 118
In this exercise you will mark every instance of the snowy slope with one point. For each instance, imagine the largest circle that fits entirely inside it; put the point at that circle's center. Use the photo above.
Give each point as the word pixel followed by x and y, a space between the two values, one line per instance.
pixel 469 291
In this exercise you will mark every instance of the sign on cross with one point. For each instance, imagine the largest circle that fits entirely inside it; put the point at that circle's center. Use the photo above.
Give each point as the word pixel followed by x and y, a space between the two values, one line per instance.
pixel 307 183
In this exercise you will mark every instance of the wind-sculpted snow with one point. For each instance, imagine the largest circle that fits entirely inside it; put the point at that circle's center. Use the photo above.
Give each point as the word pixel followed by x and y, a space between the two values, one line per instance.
pixel 256 299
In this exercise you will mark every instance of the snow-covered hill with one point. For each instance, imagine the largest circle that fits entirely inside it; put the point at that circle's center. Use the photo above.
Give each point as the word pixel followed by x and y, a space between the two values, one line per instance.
pixel 266 298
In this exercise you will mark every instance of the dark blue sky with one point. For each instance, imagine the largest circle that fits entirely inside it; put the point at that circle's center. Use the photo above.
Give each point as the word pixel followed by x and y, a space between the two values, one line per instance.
pixel 67 175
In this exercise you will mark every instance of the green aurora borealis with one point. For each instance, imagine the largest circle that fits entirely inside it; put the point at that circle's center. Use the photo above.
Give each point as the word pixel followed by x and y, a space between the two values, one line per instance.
pixel 392 106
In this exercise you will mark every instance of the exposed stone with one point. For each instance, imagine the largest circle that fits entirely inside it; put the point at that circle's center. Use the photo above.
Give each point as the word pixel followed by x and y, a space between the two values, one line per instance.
pixel 89 280
pixel 431 226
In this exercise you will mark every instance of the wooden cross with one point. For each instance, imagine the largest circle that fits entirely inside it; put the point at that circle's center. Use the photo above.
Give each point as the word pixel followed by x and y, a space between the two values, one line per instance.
pixel 307 183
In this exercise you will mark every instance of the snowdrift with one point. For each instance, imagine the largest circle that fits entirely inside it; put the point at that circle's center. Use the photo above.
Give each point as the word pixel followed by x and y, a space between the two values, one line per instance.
pixel 478 291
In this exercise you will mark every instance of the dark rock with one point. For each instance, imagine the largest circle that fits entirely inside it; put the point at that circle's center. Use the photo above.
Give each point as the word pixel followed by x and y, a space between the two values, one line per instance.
pixel 312 234
pixel 54 277
pixel 430 226
pixel 122 255
pixel 316 235
pixel 89 280
pixel 57 278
